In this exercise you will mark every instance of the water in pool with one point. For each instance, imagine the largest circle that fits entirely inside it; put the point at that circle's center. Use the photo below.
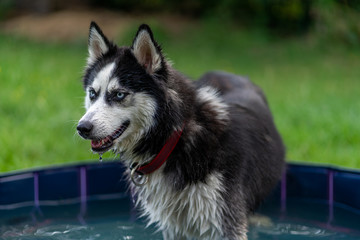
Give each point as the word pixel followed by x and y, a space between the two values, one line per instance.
pixel 114 219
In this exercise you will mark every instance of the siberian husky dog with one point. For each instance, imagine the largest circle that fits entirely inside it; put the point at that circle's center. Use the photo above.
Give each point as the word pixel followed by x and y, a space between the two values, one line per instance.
pixel 202 155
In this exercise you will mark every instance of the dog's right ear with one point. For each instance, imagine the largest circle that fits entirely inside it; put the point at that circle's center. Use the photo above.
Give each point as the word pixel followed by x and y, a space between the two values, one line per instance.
pixel 98 44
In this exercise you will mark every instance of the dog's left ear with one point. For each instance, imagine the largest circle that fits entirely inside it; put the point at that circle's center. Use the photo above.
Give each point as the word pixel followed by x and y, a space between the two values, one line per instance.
pixel 146 50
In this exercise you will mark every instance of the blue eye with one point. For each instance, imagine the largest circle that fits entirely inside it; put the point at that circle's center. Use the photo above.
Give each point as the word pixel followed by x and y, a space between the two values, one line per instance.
pixel 92 94
pixel 120 96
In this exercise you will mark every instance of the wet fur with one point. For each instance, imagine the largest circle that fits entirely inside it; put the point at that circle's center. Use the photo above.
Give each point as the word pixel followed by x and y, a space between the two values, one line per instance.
pixel 230 155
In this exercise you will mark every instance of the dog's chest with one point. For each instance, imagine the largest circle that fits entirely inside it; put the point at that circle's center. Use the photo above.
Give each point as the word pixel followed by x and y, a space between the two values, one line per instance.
pixel 195 211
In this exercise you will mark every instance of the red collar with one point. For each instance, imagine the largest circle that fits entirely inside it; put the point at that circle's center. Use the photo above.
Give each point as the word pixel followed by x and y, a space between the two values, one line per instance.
pixel 160 159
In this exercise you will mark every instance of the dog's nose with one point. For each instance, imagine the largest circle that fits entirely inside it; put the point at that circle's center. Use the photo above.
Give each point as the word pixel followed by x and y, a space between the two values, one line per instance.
pixel 84 128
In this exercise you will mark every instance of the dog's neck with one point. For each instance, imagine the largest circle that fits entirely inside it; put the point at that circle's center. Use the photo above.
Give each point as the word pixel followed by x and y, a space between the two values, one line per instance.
pixel 161 157
pixel 206 117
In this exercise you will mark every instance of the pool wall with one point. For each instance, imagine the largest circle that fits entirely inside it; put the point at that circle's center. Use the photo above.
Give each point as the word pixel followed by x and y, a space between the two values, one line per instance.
pixel 63 185
pixel 95 181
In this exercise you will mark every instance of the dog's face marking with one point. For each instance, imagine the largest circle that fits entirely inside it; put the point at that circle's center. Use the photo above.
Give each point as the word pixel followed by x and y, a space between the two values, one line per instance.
pixel 112 107
pixel 99 85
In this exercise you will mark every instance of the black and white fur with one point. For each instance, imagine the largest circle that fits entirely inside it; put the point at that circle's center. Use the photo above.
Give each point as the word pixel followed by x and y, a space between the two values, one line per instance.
pixel 229 157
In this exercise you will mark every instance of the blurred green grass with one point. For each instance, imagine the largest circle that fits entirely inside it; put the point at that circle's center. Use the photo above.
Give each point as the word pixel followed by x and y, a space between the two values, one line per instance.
pixel 312 87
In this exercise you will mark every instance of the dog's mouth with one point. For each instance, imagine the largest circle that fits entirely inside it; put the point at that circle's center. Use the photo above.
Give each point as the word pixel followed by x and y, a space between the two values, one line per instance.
pixel 106 143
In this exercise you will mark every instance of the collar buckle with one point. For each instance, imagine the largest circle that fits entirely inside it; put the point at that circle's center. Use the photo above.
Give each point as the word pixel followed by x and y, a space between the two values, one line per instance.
pixel 137 177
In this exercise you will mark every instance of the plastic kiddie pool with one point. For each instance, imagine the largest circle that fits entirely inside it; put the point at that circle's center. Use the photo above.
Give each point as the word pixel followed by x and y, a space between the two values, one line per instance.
pixel 92 201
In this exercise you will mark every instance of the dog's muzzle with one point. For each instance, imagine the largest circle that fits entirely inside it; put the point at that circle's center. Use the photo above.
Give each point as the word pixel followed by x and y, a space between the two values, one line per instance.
pixel 100 143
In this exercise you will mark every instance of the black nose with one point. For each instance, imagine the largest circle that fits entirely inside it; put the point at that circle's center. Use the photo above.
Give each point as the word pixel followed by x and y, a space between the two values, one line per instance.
pixel 84 128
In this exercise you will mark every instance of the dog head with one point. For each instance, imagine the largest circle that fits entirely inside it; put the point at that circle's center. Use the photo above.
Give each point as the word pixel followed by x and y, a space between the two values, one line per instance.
pixel 124 89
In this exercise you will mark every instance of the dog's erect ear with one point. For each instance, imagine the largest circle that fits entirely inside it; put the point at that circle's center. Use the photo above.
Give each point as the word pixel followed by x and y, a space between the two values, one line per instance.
pixel 146 50
pixel 98 44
